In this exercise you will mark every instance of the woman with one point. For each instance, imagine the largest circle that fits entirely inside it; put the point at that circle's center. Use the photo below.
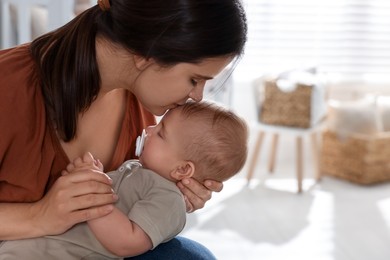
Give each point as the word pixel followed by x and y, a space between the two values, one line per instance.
pixel 93 85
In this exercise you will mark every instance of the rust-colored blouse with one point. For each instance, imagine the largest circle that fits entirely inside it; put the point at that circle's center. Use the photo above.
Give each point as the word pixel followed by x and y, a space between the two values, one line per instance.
pixel 31 157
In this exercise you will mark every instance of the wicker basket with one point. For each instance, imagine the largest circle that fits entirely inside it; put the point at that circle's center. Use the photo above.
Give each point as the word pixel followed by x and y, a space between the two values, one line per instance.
pixel 286 108
pixel 361 159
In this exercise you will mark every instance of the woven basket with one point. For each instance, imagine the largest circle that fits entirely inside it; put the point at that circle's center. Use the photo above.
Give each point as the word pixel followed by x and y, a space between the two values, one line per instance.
pixel 358 158
pixel 286 108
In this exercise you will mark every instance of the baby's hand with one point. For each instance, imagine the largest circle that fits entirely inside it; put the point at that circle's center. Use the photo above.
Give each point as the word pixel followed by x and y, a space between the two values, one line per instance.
pixel 87 162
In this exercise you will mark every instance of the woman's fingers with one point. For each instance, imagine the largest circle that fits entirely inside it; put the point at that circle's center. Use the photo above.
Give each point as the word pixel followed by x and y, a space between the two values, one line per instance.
pixel 189 206
pixel 215 186
pixel 90 213
pixel 87 189
pixel 196 194
pixel 87 174
pixel 75 198
pixel 89 200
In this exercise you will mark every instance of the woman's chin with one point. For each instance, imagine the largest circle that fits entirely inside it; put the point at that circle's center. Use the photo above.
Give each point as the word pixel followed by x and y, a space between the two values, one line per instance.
pixel 158 111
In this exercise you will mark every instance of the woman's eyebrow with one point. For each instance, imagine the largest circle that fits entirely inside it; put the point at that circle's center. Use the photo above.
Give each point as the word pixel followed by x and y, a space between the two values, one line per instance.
pixel 203 77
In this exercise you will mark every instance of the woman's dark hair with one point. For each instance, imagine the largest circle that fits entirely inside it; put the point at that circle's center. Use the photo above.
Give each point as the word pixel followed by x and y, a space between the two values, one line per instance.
pixel 169 31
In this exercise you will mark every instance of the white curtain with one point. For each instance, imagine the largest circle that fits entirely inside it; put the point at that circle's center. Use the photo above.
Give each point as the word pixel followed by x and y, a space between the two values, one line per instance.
pixel 346 39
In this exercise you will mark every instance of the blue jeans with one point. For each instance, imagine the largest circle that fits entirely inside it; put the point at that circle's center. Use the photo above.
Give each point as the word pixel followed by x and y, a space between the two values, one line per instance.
pixel 177 249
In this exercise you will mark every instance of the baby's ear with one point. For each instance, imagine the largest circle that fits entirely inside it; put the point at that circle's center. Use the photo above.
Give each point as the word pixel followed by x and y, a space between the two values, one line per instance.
pixel 186 169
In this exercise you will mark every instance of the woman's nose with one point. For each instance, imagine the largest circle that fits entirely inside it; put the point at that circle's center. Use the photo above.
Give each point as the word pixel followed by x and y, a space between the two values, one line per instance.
pixel 197 93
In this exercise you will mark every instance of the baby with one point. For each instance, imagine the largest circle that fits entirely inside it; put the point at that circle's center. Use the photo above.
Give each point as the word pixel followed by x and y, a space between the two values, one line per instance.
pixel 199 140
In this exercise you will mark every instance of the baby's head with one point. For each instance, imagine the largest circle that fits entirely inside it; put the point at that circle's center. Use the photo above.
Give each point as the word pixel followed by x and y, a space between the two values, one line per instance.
pixel 217 141
pixel 200 140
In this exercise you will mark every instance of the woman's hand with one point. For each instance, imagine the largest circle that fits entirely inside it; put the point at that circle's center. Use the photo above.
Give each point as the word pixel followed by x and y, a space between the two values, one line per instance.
pixel 197 194
pixel 72 199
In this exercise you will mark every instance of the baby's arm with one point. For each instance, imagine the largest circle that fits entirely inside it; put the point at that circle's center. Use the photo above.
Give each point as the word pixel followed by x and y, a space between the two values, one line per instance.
pixel 114 231
pixel 119 235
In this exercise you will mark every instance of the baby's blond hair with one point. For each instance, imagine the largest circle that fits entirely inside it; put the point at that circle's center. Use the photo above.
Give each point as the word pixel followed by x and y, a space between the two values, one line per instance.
pixel 218 140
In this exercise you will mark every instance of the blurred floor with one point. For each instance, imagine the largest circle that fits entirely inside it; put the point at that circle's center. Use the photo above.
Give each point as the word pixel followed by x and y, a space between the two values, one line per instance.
pixel 268 220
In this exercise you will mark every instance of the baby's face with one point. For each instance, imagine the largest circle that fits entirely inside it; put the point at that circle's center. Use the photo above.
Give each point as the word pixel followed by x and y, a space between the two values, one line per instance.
pixel 164 144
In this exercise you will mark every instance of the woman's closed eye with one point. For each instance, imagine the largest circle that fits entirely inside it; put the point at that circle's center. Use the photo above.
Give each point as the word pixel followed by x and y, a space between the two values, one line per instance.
pixel 194 82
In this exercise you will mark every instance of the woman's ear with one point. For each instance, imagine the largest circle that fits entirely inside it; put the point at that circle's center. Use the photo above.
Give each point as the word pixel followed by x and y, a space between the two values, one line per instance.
pixel 141 62
pixel 184 170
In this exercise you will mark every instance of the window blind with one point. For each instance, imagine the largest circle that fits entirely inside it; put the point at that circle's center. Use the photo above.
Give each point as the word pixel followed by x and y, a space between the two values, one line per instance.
pixel 347 39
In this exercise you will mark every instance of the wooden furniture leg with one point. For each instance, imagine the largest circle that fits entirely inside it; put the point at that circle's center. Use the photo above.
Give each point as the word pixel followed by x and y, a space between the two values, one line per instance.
pixel 271 165
pixel 315 151
pixel 299 164
pixel 252 165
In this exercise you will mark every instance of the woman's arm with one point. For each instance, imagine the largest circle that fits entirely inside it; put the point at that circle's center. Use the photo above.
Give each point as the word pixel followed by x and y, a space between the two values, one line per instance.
pixel 72 199
pixel 119 235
